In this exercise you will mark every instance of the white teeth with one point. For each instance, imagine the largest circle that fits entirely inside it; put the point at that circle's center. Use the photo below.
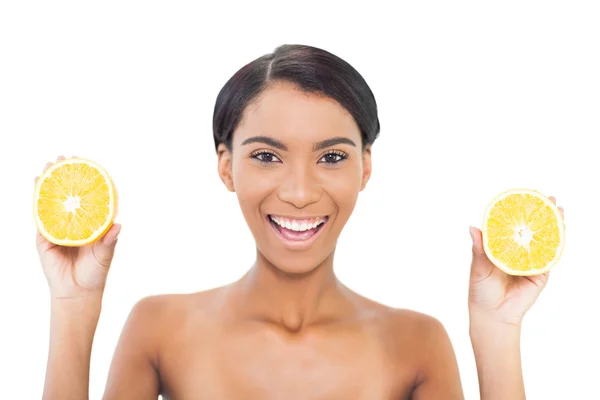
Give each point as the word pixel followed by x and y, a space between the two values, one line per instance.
pixel 297 225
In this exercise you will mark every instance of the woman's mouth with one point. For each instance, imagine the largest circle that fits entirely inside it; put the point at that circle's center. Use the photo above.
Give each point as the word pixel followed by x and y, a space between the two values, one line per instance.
pixel 297 229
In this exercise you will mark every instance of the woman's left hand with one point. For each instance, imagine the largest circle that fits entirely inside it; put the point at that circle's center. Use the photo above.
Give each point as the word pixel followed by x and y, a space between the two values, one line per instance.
pixel 495 296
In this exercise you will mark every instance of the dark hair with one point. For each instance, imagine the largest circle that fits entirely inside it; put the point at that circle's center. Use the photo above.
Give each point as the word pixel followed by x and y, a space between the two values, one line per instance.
pixel 314 71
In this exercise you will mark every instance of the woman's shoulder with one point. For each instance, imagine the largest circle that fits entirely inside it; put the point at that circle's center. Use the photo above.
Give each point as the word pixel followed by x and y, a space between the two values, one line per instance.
pixel 176 309
pixel 402 325
pixel 411 339
pixel 394 319
pixel 405 320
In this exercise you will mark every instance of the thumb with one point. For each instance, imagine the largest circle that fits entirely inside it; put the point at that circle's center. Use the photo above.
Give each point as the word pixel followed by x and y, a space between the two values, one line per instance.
pixel 477 240
pixel 104 249
pixel 481 266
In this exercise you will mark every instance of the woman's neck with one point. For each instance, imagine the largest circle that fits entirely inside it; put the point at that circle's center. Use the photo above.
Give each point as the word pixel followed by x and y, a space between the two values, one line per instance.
pixel 292 301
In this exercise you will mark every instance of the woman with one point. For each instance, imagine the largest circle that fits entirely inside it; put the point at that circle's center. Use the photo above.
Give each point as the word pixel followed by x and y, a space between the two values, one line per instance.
pixel 293 131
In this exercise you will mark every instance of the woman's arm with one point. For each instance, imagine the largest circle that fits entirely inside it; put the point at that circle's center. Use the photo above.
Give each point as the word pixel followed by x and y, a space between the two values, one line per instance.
pixel 497 304
pixel 73 325
pixel 72 328
pixel 497 349
pixel 497 355
pixel 76 278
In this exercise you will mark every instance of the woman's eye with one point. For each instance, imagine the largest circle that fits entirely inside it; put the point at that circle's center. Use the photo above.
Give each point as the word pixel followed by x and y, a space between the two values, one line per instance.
pixel 332 158
pixel 266 157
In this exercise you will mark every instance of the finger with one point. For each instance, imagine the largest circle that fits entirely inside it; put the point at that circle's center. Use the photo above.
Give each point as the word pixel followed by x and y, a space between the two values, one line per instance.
pixel 539 280
pixel 35 179
pixel 39 238
pixel 103 250
pixel 481 266
pixel 562 212
pixel 42 243
pixel 48 165
pixel 60 158
pixel 112 235
pixel 477 242
pixel 552 199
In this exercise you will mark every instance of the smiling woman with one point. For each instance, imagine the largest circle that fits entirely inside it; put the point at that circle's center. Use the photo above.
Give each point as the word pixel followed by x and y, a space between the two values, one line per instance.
pixel 296 158
pixel 293 132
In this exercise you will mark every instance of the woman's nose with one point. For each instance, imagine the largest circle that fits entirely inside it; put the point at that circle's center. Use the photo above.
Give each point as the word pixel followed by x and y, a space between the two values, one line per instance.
pixel 299 188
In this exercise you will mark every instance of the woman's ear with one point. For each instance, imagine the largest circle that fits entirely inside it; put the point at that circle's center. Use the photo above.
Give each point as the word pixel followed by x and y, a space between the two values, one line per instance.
pixel 367 166
pixel 224 166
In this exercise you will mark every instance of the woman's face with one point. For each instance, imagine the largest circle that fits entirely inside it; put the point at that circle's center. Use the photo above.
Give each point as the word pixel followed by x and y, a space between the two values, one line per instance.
pixel 297 166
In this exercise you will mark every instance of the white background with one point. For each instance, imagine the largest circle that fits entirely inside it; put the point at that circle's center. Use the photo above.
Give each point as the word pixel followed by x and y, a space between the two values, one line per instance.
pixel 474 99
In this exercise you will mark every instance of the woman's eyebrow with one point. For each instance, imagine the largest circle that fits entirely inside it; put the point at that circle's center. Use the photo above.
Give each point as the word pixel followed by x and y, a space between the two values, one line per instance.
pixel 266 140
pixel 332 142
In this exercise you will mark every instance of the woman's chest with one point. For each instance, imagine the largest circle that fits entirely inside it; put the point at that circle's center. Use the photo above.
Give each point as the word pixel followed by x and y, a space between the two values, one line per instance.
pixel 266 366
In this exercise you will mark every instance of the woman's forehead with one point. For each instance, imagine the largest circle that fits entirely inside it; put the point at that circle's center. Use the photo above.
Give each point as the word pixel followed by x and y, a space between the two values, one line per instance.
pixel 284 112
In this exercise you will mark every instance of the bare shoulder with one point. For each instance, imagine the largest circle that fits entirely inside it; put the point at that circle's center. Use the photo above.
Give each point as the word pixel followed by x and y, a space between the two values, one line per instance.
pixel 419 346
pixel 426 344
pixel 422 326
pixel 167 313
pixel 405 332
pixel 400 322
pixel 148 332
pixel 420 335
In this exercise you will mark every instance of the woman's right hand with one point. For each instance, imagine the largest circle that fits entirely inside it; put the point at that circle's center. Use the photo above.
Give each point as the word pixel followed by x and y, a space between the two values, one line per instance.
pixel 77 272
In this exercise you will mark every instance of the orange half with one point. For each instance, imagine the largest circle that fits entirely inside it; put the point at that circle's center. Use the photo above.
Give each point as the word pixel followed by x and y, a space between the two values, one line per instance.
pixel 523 232
pixel 75 202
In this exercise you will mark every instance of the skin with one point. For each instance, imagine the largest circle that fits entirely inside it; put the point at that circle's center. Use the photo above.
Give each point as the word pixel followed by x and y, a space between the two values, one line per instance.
pixel 288 328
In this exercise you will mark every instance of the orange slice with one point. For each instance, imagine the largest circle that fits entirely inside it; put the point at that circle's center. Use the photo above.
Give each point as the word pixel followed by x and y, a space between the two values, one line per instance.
pixel 523 232
pixel 75 202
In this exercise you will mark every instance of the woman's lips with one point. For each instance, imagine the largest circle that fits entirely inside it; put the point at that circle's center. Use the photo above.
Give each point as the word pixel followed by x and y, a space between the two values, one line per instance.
pixel 297 229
